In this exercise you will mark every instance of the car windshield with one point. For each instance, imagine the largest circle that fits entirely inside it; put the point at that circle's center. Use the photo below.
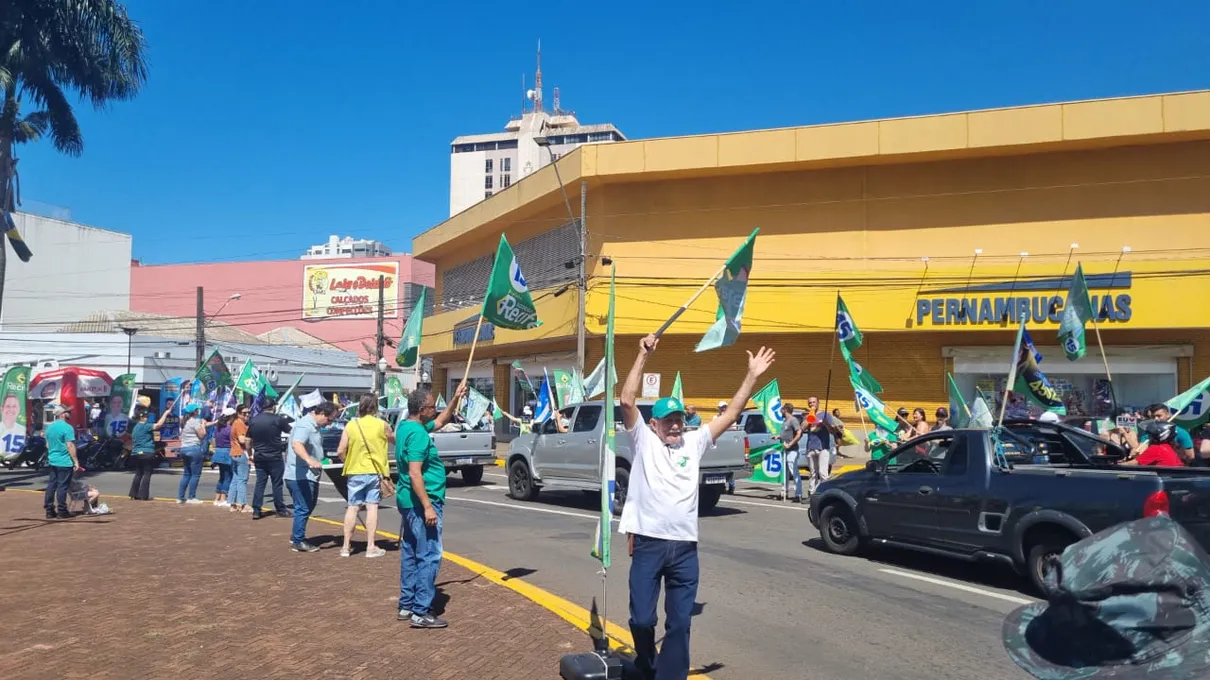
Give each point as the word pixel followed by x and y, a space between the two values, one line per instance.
pixel 644 409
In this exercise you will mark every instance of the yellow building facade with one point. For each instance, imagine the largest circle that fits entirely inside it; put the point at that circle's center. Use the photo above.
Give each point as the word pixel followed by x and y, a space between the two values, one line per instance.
pixel 933 229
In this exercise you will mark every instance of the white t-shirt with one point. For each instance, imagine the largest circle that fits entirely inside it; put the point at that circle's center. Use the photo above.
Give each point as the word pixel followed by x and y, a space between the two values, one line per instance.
pixel 661 501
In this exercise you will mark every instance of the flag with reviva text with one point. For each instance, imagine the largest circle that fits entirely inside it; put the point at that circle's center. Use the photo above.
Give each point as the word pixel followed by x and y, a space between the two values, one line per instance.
pixel 732 290
pixel 508 303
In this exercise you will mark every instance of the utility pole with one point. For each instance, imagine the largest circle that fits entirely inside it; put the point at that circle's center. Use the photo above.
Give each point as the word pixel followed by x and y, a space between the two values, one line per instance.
pixel 201 327
pixel 582 279
pixel 379 378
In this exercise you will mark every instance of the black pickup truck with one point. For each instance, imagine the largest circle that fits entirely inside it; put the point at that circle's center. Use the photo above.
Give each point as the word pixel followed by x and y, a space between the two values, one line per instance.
pixel 946 493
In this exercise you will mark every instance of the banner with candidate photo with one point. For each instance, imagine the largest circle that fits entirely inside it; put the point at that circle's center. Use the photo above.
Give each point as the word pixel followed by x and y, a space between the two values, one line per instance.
pixel 13 396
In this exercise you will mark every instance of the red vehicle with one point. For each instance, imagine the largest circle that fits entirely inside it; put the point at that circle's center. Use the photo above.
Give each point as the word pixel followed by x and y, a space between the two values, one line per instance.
pixel 70 386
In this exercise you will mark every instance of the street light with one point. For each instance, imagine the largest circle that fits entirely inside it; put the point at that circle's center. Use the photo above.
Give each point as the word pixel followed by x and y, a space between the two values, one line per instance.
pixel 129 331
pixel 381 377
pixel 234 296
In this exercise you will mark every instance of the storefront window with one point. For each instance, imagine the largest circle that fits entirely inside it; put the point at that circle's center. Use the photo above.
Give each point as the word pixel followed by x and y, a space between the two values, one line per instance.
pixel 1083 394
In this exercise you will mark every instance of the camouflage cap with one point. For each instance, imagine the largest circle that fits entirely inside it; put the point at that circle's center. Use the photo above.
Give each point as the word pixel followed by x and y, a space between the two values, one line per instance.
pixel 1128 602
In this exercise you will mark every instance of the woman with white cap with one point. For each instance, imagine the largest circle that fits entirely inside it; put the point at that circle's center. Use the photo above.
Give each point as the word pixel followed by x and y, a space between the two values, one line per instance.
pixel 222 457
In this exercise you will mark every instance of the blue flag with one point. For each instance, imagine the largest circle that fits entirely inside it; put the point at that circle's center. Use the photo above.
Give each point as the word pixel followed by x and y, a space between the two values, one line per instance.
pixel 1028 342
pixel 258 403
pixel 1032 381
pixel 545 408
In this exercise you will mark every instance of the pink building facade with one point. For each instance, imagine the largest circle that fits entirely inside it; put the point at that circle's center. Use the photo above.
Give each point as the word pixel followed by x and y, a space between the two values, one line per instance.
pixel 334 300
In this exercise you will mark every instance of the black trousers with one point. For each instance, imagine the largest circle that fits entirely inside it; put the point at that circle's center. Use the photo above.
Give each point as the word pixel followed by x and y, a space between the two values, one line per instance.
pixel 57 482
pixel 140 486
pixel 267 469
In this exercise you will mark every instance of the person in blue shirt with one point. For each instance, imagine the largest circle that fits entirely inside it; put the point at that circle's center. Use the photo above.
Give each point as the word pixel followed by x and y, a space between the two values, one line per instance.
pixel 61 456
pixel 304 460
pixel 692 419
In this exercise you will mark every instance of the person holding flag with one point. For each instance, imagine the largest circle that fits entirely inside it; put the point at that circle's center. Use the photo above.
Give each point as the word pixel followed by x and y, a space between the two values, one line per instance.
pixel 660 516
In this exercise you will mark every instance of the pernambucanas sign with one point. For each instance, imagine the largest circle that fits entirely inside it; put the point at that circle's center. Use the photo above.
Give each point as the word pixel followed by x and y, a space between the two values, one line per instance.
pixel 349 291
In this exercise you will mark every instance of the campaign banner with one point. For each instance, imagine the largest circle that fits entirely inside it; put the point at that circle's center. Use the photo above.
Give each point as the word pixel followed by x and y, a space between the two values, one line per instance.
pixel 121 397
pixel 394 392
pixel 349 291
pixel 13 396
pixel 170 391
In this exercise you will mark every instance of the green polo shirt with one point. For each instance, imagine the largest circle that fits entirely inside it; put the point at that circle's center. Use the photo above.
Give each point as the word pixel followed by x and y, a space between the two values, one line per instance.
pixel 413 444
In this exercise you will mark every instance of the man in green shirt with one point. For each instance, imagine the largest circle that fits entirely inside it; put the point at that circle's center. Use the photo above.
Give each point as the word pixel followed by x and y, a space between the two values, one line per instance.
pixel 61 457
pixel 420 496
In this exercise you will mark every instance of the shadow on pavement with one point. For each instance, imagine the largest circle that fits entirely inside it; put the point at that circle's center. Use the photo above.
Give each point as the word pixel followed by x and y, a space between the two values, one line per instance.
pixel 986 574
pixel 518 572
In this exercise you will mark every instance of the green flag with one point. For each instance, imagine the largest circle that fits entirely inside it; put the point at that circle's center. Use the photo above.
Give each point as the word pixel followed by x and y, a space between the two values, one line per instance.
pixel 594 384
pixel 13 396
pixel 564 386
pixel 678 391
pixel 732 289
pixel 249 381
pixel 474 406
pixel 441 404
pixel 408 352
pixel 768 402
pixel 874 409
pixel 508 303
pixel 213 373
pixel 981 413
pixel 847 332
pixel 394 392
pixel 960 413
pixel 1192 407
pixel 601 545
pixel 863 377
pixel 1077 312
pixel 497 412
pixel 768 463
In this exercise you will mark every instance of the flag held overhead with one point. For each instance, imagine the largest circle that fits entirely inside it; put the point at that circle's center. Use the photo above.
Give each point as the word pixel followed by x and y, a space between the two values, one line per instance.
pixel 508 303
pixel 732 289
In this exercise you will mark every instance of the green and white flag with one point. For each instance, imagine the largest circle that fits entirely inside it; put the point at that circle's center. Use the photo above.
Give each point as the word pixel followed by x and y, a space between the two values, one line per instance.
pixel 678 390
pixel 441 404
pixel 981 413
pixel 475 405
pixel 1077 312
pixel 1192 407
pixel 874 409
pixel 508 303
pixel 13 396
pixel 249 379
pixel 864 378
pixel 768 402
pixel 847 332
pixel 768 464
pixel 594 384
pixel 564 387
pixel 732 289
pixel 394 392
pixel 960 413
pixel 497 412
pixel 408 352
pixel 213 373
pixel 602 542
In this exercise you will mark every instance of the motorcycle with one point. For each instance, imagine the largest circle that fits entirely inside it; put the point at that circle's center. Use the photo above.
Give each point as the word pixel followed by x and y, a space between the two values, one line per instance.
pixel 33 454
pixel 101 454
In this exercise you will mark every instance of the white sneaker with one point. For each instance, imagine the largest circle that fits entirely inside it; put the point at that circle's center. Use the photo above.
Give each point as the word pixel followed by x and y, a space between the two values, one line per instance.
pixel 221 504
pixel 345 553
pixel 375 552
pixel 180 502
pixel 192 501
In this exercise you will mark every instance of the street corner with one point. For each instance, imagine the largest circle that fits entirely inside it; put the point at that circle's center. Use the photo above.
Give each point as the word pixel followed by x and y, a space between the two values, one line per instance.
pixel 158 590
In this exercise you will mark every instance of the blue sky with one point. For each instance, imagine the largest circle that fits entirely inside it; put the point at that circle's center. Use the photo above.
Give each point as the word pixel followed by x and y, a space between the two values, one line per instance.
pixel 267 125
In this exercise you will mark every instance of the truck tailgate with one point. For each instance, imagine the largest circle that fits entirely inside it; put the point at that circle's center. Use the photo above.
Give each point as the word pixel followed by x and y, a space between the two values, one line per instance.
pixel 727 452
pixel 476 445
pixel 1189 501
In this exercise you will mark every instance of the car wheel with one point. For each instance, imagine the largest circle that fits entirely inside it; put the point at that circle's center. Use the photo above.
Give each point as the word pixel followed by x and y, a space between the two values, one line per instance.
pixel 520 482
pixel 838 529
pixel 472 475
pixel 1043 557
pixel 621 484
pixel 707 498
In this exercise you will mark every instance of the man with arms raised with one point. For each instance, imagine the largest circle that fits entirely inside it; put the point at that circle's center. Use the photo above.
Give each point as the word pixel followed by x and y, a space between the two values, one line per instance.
pixel 660 515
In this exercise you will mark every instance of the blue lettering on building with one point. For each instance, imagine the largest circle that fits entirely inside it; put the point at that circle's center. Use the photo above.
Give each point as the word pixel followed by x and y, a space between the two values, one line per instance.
pixel 979 311
pixel 466 334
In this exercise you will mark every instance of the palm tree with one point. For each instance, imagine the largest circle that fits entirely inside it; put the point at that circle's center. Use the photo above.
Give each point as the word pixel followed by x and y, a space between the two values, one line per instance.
pixel 48 48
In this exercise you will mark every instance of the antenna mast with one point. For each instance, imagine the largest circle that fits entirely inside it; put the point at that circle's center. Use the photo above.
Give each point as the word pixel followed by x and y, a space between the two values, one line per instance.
pixel 538 80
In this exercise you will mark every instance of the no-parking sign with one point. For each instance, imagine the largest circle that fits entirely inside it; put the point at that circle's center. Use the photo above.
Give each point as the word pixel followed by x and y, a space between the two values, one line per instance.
pixel 651 385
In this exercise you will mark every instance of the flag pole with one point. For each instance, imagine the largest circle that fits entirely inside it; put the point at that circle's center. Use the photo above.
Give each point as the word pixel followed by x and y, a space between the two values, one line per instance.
pixel 1012 378
pixel 827 392
pixel 681 310
pixel 471 356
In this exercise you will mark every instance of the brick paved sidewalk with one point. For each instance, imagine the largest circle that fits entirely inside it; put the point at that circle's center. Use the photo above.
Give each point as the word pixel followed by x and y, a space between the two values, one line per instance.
pixel 159 590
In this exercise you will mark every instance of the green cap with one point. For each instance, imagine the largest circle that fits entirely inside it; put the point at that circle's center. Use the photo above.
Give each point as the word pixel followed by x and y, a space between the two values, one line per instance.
pixel 666 407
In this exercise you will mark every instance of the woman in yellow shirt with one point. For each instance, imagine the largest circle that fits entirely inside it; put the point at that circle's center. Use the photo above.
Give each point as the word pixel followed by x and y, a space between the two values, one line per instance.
pixel 363 448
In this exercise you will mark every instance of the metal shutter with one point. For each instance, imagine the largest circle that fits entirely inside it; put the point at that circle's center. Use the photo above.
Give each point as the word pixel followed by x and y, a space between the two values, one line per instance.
pixel 543 259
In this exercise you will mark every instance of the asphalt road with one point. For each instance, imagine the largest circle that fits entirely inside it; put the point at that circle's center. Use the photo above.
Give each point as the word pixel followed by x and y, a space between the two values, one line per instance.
pixel 771 603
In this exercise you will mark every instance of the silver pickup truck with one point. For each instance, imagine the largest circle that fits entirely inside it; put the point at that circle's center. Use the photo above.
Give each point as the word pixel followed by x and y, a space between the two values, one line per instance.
pixel 466 451
pixel 571 460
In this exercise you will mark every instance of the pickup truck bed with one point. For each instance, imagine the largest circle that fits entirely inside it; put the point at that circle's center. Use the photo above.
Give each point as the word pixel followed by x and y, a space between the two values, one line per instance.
pixel 571 460
pixel 944 493
pixel 466 451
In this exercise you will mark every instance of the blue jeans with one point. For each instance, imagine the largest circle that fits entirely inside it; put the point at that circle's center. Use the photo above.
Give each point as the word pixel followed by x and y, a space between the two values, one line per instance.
pixel 793 472
pixel 192 456
pixel 58 480
pixel 676 563
pixel 224 478
pixel 239 483
pixel 419 560
pixel 305 494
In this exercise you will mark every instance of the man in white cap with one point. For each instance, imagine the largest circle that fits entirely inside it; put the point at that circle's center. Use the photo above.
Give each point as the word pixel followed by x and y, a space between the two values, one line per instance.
pixel 722 408
pixel 61 457
pixel 1049 417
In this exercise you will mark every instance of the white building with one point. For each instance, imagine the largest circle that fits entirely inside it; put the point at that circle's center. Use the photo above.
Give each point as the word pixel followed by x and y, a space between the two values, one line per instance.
pixel 483 165
pixel 347 247
pixel 75 271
